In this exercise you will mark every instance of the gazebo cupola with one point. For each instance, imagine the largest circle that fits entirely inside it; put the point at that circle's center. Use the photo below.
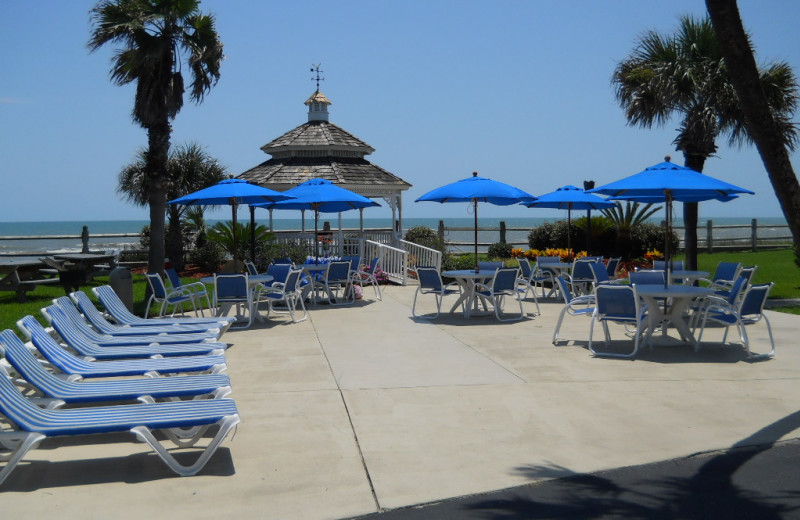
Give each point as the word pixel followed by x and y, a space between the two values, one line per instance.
pixel 318 107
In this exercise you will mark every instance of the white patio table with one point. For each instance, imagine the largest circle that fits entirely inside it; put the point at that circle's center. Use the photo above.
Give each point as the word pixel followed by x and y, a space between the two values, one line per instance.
pixel 252 282
pixel 466 278
pixel 678 298
pixel 688 277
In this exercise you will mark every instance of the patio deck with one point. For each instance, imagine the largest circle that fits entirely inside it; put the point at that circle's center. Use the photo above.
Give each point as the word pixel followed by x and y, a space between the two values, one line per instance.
pixel 362 408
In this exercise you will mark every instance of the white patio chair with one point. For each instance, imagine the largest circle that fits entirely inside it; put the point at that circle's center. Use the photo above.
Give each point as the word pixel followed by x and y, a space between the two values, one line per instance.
pixel 165 297
pixel 748 311
pixel 526 282
pixel 574 306
pixel 430 282
pixel 230 290
pixel 288 293
pixel 504 283
pixel 618 304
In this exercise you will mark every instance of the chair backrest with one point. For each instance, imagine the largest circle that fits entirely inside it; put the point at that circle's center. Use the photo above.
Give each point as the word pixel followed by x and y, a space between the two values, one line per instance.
pixel 616 302
pixel 661 265
pixel 754 300
pixel 564 287
pixel 115 307
pixel 549 259
pixel 251 268
pixel 373 265
pixel 292 280
pixel 612 265
pixel 429 278
pixel 727 271
pixel 284 260
pixel 338 271
pixel 172 276
pixel 736 290
pixel 490 266
pixel 231 287
pixel 592 258
pixel 26 363
pixel 279 272
pixel 647 277
pixel 599 272
pixel 581 269
pixel 157 286
pixel 748 273
pixel 355 261
pixel 505 280
pixel 90 312
pixel 525 268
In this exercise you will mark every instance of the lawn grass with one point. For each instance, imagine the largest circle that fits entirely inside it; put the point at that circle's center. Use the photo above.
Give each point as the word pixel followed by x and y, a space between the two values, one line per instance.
pixel 11 310
pixel 773 266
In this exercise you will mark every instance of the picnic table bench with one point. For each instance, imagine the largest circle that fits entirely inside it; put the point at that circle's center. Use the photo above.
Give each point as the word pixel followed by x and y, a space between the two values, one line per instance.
pixel 22 276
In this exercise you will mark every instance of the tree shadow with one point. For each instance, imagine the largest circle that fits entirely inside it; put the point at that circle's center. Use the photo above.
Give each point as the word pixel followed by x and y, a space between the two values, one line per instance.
pixel 682 489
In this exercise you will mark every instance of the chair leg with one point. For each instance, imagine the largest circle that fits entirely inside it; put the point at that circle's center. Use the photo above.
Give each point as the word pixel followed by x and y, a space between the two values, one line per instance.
pixel 225 425
pixel 24 442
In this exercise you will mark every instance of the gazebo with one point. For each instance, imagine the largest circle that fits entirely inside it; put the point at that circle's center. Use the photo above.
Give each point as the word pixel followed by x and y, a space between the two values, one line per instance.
pixel 320 149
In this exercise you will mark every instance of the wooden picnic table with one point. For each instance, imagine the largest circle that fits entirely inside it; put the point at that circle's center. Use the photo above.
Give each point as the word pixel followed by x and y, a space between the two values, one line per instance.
pixel 21 276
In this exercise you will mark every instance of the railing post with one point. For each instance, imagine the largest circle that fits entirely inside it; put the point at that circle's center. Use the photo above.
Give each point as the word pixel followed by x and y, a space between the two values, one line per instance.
pixel 709 237
pixel 754 234
pixel 502 232
pixel 85 239
pixel 440 231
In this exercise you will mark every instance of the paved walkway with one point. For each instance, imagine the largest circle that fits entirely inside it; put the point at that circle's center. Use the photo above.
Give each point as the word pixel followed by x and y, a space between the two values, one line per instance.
pixel 363 409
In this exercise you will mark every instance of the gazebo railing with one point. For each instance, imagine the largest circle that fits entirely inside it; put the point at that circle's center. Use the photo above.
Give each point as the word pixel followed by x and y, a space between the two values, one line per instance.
pixel 393 261
pixel 421 255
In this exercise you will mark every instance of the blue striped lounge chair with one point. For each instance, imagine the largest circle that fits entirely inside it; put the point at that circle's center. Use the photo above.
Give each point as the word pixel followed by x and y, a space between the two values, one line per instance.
pixel 80 324
pixel 116 308
pixel 184 423
pixel 85 347
pixel 71 364
pixel 71 390
pixel 104 326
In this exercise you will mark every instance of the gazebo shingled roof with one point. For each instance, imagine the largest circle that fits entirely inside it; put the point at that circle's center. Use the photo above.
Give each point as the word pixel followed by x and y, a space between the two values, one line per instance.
pixel 320 149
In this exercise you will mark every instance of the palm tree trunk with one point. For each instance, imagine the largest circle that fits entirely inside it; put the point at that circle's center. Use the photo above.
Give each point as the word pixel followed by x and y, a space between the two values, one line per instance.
pixel 174 242
pixel 158 151
pixel 690 214
pixel 759 120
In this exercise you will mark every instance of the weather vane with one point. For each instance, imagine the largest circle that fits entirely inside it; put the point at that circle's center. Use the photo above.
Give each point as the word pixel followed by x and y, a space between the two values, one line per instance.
pixel 315 68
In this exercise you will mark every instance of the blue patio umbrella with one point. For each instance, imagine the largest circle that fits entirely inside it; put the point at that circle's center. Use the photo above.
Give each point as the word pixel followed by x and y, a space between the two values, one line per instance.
pixel 667 182
pixel 322 196
pixel 232 192
pixel 477 189
pixel 569 197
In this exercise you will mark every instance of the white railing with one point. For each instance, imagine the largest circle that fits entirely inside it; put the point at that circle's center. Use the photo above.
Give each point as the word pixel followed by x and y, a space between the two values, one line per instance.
pixel 393 261
pixel 421 255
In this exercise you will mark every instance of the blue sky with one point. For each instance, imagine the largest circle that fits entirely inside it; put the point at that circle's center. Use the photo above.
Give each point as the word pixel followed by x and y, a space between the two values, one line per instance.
pixel 518 90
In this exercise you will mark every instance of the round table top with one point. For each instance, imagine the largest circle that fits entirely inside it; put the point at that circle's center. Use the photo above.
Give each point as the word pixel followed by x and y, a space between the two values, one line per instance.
pixel 672 291
pixel 251 279
pixel 469 273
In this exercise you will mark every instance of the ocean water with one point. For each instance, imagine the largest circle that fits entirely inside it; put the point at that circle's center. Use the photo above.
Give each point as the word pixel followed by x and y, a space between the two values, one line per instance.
pixel 72 230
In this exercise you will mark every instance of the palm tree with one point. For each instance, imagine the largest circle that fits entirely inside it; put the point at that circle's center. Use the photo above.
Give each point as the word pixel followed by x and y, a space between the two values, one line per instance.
pixel 766 127
pixel 685 74
pixel 624 220
pixel 156 38
pixel 189 168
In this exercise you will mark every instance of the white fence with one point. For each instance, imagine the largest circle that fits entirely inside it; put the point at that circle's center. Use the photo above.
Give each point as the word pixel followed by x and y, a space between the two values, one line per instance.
pixel 393 261
pixel 421 255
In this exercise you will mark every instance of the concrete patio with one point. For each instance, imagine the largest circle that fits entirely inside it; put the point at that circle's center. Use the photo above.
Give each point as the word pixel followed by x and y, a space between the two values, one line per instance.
pixel 362 409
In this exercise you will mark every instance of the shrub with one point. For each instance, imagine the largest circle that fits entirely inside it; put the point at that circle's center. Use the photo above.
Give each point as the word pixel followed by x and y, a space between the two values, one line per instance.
pixel 208 258
pixel 647 237
pixel 267 251
pixel 554 234
pixel 500 250
pixel 424 236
